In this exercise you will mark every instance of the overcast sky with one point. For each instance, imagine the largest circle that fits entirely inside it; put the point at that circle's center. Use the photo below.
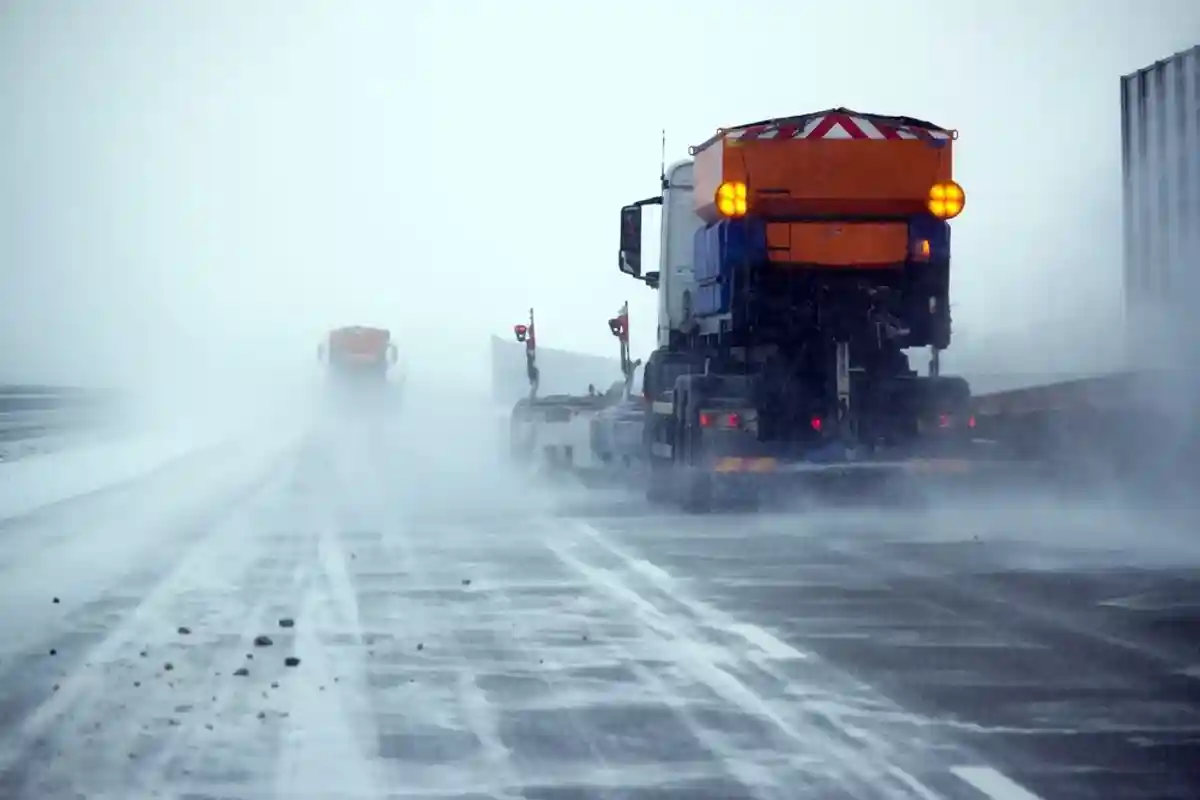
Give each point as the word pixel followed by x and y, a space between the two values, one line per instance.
pixel 186 185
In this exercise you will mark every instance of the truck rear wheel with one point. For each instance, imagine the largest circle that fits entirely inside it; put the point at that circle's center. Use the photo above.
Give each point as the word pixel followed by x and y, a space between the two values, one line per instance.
pixel 693 481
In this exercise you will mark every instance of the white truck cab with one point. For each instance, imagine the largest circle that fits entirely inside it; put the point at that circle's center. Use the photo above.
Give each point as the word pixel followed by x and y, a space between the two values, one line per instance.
pixel 678 226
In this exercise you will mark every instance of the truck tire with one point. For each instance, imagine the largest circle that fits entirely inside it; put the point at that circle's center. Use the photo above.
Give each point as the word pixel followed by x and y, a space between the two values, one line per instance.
pixel 694 485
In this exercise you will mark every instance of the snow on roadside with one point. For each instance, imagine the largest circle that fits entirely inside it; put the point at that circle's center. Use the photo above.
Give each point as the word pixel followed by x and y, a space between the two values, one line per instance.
pixel 15 450
pixel 79 551
pixel 43 479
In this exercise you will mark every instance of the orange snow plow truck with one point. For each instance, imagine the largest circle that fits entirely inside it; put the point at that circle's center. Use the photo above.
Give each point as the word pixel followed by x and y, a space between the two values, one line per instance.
pixel 358 356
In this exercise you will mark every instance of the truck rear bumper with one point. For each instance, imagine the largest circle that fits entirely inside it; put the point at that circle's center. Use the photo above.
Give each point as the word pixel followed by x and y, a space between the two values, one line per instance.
pixel 764 478
pixel 733 465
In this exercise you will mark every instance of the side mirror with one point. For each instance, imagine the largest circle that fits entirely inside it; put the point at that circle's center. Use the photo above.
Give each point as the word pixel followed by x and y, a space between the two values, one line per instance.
pixel 651 279
pixel 630 258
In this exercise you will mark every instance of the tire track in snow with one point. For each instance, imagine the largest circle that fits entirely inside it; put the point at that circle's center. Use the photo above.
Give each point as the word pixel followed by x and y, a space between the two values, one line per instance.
pixel 435 729
pixel 328 748
pixel 505 704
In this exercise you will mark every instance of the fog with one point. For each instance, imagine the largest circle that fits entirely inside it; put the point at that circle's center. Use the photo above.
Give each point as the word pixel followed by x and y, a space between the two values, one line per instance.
pixel 192 193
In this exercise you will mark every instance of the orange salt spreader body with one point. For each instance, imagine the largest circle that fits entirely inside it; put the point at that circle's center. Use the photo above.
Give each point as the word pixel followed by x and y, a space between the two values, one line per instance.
pixel 868 172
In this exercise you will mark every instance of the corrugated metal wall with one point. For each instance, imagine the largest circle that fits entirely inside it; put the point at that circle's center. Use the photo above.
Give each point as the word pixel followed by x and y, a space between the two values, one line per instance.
pixel 1160 134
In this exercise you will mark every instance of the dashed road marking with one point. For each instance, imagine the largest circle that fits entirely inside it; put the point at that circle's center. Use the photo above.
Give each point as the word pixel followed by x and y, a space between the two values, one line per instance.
pixel 770 644
pixel 995 785
pixel 919 789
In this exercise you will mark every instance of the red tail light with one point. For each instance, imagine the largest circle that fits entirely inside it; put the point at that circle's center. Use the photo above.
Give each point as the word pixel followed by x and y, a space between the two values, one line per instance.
pixel 943 420
pixel 971 421
pixel 815 422
pixel 720 419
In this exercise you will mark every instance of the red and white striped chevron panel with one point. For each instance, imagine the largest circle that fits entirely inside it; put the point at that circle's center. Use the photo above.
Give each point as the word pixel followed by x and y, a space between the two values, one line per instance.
pixel 837 125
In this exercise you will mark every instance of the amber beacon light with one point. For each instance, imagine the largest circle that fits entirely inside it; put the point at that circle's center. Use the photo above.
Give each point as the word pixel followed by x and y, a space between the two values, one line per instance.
pixel 732 199
pixel 946 200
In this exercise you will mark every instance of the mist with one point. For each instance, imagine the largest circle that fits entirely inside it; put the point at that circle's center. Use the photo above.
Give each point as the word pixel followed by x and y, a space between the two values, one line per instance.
pixel 192 193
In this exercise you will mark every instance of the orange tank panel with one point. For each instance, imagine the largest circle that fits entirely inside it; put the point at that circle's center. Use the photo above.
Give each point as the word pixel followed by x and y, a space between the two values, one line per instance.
pixel 798 178
pixel 838 244
pixel 359 341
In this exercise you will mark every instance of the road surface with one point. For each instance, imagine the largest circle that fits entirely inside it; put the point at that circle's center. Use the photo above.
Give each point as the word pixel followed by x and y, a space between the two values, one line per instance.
pixel 456 634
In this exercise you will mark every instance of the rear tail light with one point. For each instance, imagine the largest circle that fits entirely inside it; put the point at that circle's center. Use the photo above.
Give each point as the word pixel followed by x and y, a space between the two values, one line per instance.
pixel 945 421
pixel 815 423
pixel 728 420
pixel 920 250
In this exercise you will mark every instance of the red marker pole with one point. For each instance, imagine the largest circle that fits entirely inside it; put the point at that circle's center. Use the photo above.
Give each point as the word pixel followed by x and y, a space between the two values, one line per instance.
pixel 527 335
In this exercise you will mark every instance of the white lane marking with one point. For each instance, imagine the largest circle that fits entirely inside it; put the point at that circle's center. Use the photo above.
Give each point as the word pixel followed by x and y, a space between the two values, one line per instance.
pixel 693 658
pixel 856 752
pixel 770 644
pixel 995 785
pixel 327 748
pixel 919 789
pixel 986 779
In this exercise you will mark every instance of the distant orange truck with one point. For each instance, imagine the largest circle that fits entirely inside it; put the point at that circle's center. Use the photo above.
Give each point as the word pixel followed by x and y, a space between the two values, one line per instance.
pixel 358 354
